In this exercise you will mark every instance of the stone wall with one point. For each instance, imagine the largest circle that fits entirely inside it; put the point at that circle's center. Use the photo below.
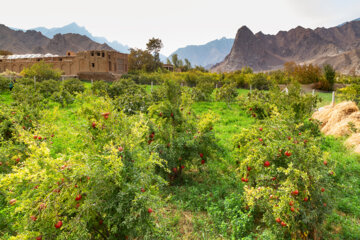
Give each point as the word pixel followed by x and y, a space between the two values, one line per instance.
pixel 73 64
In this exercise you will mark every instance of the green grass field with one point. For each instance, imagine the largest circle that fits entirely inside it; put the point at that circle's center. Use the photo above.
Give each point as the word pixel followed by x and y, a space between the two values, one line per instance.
pixel 192 210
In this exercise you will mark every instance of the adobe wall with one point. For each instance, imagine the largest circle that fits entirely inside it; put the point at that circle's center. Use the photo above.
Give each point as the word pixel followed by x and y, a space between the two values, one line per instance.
pixel 73 64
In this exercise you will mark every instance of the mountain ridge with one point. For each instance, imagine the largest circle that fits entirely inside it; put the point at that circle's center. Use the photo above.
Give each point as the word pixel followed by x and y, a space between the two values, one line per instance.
pixel 269 52
pixel 31 41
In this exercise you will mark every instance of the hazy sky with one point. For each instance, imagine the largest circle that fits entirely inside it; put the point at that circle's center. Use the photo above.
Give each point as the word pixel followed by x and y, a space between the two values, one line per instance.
pixel 177 23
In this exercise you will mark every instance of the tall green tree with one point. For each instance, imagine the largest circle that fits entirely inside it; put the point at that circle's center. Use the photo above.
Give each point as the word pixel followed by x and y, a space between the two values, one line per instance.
pixel 154 46
pixel 329 73
pixel 141 60
pixel 187 64
pixel 178 63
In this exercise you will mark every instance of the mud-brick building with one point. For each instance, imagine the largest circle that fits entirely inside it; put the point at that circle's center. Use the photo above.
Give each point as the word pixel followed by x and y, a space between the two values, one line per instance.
pixel 96 65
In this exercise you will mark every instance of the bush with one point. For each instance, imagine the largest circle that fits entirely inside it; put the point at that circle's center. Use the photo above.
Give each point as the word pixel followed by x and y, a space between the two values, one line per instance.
pixel 135 99
pixel 100 88
pixel 119 87
pixel 26 94
pixel 48 88
pixel 227 93
pixel 4 84
pixel 259 81
pixel 41 71
pixel 63 97
pixel 73 85
pixel 350 93
pixel 175 135
pixel 230 218
pixel 329 75
pixel 106 190
pixel 288 178
pixel 203 91
pixel 298 106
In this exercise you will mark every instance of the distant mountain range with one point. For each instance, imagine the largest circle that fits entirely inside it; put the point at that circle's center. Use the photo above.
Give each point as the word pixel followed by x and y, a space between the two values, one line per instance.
pixel 20 42
pixel 75 28
pixel 208 54
pixel 339 46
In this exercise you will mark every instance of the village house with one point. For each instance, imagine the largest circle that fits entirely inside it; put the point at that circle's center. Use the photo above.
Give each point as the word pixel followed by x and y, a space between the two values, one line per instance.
pixel 87 65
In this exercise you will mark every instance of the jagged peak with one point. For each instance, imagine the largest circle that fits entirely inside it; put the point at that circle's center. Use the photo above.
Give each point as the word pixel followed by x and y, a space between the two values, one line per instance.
pixel 245 29
pixel 244 33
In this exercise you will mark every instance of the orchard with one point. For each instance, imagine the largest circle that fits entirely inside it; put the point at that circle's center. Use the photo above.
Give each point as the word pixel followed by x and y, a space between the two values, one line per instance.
pixel 171 161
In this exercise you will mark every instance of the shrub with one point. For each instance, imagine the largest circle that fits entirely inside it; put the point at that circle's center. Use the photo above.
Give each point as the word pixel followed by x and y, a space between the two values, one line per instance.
pixel 329 75
pixel 203 91
pixel 100 192
pixel 49 87
pixel 133 100
pixel 63 97
pixel 119 87
pixel 259 81
pixel 41 71
pixel 4 84
pixel 261 104
pixel 287 176
pixel 73 85
pixel 174 134
pixel 100 88
pixel 26 94
pixel 230 218
pixel 227 93
pixel 350 93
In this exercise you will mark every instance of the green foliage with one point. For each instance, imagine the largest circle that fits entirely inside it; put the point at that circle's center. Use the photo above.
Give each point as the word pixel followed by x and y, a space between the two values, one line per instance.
pixel 73 85
pixel 100 88
pixel 203 91
pixel 63 97
pixel 350 93
pixel 227 93
pixel 260 81
pixel 287 175
pixel 119 87
pixel 202 201
pixel 134 99
pixel 128 96
pixel 230 218
pixel 295 104
pixel 41 71
pixel 141 60
pixel 109 180
pixel 48 87
pixel 329 73
pixel 4 84
pixel 175 134
pixel 26 94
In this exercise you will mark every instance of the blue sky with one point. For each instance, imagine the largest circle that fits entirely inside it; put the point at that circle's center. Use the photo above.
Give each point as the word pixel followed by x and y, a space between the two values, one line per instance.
pixel 178 23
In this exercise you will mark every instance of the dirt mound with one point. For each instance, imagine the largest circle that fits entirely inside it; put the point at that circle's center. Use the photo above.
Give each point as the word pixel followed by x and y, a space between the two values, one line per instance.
pixel 335 119
pixel 354 142
pixel 342 119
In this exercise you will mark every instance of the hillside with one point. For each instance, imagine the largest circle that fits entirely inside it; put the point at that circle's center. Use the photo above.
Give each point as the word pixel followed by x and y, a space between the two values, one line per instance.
pixel 75 28
pixel 20 42
pixel 322 45
pixel 208 54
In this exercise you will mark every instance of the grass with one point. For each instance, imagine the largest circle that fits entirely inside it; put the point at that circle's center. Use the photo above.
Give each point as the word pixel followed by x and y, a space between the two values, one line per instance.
pixel 326 98
pixel 6 98
pixel 195 210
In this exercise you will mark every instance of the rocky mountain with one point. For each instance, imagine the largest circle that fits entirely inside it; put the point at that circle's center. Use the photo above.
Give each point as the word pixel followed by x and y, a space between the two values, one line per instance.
pixel 75 28
pixel 208 54
pixel 268 52
pixel 20 42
